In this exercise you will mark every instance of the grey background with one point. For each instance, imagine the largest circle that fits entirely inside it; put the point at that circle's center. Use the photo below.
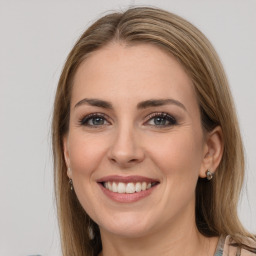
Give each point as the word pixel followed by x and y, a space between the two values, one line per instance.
pixel 35 38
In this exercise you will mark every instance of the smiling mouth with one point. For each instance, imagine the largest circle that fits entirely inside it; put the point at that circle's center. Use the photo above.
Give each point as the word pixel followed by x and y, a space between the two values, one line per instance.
pixel 128 187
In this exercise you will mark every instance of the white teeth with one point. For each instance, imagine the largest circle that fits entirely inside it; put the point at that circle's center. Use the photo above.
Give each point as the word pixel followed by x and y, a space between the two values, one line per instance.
pixel 129 188
pixel 143 186
pixel 121 187
pixel 114 187
pixel 109 186
pixel 138 187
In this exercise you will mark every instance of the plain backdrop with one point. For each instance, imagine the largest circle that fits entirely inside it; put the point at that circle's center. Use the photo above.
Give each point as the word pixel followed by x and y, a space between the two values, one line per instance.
pixel 35 38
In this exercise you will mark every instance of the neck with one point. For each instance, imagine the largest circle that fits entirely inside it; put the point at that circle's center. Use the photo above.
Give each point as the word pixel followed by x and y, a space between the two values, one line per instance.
pixel 180 241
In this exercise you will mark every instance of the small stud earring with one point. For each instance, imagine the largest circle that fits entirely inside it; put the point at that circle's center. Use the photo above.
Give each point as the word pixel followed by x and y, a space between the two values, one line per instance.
pixel 209 175
pixel 71 184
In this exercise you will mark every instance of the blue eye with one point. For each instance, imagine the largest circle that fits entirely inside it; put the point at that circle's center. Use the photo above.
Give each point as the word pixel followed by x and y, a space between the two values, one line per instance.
pixel 94 120
pixel 161 120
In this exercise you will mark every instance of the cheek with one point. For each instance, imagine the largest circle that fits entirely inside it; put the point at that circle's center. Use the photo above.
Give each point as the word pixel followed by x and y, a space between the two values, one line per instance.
pixel 86 152
pixel 178 158
pixel 178 154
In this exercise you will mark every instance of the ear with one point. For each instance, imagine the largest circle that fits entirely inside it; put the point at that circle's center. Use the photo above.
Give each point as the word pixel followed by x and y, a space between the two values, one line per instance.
pixel 66 156
pixel 213 151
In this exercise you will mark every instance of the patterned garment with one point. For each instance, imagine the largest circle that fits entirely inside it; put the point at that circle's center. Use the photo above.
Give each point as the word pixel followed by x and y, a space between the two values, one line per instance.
pixel 225 249
pixel 220 246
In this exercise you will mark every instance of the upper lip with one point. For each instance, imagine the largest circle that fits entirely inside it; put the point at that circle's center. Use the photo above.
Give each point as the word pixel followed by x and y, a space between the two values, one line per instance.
pixel 126 179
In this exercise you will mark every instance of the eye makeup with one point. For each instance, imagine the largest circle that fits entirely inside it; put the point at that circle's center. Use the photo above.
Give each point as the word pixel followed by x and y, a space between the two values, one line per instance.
pixel 155 119
pixel 161 119
pixel 94 120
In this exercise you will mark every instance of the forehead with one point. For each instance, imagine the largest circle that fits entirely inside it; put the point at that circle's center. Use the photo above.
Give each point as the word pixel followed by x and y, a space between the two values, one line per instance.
pixel 137 72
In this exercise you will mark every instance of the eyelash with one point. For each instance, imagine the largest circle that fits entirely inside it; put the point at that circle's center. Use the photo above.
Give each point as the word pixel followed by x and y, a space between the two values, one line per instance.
pixel 164 117
pixel 85 120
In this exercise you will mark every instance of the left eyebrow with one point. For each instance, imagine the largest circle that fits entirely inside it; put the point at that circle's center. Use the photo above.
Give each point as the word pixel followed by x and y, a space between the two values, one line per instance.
pixel 159 102
pixel 95 103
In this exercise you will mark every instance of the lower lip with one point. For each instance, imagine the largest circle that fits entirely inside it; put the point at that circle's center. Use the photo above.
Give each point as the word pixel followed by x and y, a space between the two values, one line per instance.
pixel 127 198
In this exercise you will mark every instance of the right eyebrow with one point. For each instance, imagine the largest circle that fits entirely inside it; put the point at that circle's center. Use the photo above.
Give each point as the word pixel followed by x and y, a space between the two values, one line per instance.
pixel 95 102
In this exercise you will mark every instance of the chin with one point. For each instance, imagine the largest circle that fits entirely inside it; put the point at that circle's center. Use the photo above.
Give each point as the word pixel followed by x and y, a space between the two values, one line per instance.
pixel 127 226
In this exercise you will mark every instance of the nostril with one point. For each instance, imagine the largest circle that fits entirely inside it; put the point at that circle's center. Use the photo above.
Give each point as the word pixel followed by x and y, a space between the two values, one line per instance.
pixel 125 162
pixel 113 160
pixel 126 154
pixel 132 160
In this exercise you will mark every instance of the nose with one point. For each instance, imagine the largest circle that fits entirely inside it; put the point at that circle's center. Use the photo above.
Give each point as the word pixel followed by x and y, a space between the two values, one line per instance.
pixel 126 150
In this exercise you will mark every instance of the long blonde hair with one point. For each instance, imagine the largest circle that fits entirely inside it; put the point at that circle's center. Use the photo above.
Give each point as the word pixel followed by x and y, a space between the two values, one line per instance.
pixel 216 201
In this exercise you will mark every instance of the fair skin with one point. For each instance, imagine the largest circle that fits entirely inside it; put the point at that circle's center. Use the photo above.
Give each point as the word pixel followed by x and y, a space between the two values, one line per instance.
pixel 135 117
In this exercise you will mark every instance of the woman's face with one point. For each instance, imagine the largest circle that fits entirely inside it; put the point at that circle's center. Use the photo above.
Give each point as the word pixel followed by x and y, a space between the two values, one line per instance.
pixel 135 144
